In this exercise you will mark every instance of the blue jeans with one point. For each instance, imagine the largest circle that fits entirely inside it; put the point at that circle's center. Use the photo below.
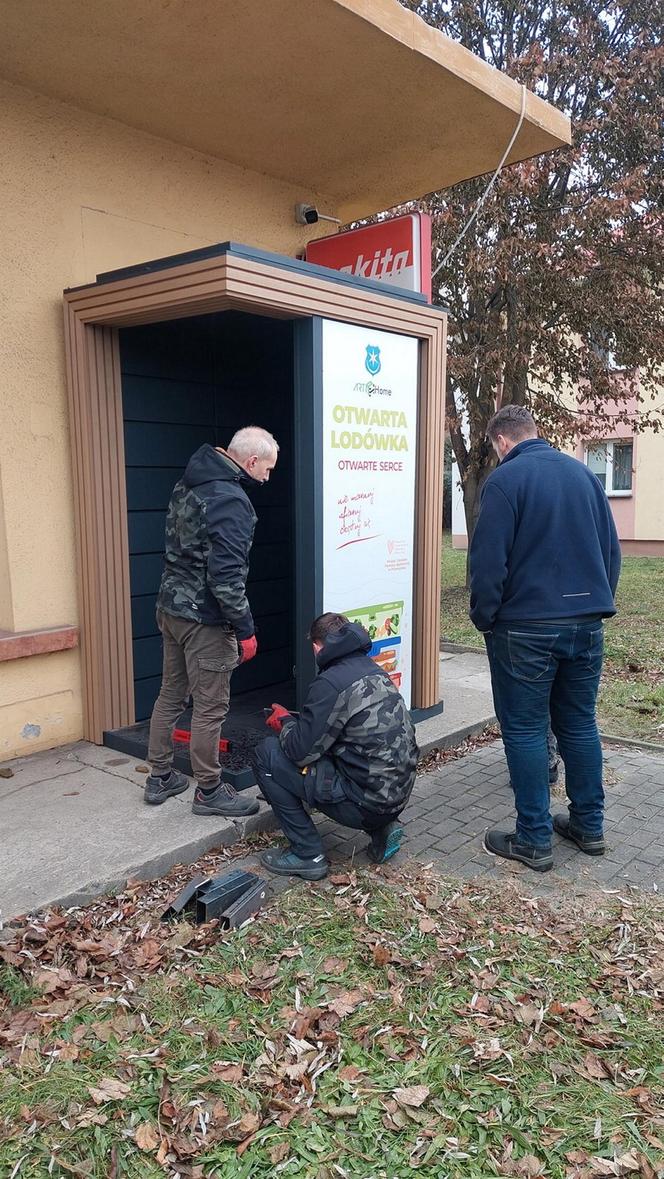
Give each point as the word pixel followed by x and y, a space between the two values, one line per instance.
pixel 287 790
pixel 541 670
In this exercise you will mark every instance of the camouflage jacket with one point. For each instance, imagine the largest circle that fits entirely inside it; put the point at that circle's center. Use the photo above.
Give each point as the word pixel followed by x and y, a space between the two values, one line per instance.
pixel 355 718
pixel 209 530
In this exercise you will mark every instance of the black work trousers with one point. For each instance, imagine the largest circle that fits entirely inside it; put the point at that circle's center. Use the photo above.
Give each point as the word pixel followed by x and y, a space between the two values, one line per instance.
pixel 287 788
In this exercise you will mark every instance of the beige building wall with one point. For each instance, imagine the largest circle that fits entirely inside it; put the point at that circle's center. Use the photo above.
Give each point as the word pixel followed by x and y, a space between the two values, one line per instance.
pixel 79 195
pixel 649 498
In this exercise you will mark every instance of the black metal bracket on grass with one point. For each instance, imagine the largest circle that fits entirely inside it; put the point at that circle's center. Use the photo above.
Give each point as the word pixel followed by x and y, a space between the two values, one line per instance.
pixel 232 897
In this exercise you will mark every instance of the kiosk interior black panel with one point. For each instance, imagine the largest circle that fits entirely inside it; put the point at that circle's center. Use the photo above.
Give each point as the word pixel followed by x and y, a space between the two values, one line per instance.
pixel 187 382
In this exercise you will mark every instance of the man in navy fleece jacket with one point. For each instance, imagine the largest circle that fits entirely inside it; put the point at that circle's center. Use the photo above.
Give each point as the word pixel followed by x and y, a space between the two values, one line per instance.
pixel 544 566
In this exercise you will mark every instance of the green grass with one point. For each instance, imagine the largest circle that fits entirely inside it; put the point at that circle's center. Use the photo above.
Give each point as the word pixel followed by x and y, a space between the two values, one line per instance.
pixel 631 697
pixel 14 990
pixel 467 997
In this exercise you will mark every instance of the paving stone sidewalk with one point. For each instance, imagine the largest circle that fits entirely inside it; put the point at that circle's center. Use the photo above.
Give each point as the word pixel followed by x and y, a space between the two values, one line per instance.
pixel 451 807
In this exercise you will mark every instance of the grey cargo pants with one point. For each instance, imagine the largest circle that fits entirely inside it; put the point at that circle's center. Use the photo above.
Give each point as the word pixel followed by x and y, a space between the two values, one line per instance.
pixel 198 662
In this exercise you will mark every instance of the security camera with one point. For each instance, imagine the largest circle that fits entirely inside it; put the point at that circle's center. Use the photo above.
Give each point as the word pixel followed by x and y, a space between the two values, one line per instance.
pixel 306 214
pixel 309 215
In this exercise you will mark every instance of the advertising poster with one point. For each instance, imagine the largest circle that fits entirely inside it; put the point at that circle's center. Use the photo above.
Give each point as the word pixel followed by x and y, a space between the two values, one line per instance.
pixel 369 455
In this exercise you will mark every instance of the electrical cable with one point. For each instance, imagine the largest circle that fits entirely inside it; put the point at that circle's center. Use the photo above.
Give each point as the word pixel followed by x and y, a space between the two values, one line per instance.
pixel 489 186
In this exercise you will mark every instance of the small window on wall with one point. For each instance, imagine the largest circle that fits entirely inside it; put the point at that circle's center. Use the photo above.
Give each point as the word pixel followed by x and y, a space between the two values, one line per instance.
pixel 611 462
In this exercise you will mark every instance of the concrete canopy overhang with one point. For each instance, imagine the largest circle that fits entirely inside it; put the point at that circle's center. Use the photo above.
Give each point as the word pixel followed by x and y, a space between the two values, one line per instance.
pixel 359 102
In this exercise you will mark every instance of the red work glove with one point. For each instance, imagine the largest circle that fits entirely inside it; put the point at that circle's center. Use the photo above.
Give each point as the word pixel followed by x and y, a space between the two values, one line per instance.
pixel 248 648
pixel 277 717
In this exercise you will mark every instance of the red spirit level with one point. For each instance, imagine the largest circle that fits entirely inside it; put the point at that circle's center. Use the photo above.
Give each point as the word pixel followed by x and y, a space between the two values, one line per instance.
pixel 184 736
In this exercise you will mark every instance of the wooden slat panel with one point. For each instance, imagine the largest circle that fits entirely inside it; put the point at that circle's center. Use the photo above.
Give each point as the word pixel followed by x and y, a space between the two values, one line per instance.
pixel 236 280
pixel 112 639
pixel 81 414
pixel 429 524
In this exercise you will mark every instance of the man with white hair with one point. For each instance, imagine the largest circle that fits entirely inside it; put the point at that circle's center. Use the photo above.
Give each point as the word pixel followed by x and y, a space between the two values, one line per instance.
pixel 204 616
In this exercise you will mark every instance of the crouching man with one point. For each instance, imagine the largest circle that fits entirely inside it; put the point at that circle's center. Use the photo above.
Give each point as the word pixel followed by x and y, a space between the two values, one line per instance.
pixel 351 754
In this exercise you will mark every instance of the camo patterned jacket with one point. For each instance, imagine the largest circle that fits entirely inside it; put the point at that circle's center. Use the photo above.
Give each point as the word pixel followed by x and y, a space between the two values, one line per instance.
pixel 209 531
pixel 355 718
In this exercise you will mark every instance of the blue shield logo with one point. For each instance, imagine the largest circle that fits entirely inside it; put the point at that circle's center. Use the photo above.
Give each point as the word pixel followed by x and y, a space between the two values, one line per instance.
pixel 372 360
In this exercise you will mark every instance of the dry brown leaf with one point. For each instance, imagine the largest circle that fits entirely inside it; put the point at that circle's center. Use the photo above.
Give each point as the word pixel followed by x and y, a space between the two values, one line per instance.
pixel 577 1156
pixel 427 925
pixel 297 1071
pixel 108 1089
pixel 264 971
pixel 249 1123
pixel 528 1014
pixel 481 1004
pixel 486 980
pixel 219 1112
pixel 414 1096
pixel 626 1164
pixel 584 1008
pixel 91 1117
pixel 487 1050
pixel 228 1070
pixel 279 1152
pixel 102 1030
pixel 631 1161
pixel 245 1144
pixel 162 1153
pixel 381 955
pixel 529 1165
pixel 147 1137
pixel 183 934
pixel 349 1073
pixel 396 1120
pixel 340 1111
pixel 68 1052
pixel 346 1002
pixel 335 966
pixel 340 878
pixel 593 1067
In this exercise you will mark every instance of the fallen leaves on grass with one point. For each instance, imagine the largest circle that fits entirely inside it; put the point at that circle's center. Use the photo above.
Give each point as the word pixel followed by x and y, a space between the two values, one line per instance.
pixel 632 1162
pixel 108 1089
pixel 414 1095
pixel 346 1002
pixel 334 1003
pixel 147 1137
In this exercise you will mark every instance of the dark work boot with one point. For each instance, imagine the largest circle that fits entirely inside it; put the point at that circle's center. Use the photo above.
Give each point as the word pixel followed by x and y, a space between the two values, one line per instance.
pixel 592 845
pixel 506 844
pixel 223 800
pixel 157 789
pixel 385 842
pixel 286 863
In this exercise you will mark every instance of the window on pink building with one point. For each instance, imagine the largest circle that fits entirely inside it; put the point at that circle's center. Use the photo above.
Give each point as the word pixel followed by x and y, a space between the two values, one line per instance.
pixel 611 462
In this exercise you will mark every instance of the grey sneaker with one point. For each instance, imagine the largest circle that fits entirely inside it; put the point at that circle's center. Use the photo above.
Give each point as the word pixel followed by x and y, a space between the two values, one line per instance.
pixel 505 844
pixel 286 863
pixel 592 845
pixel 157 790
pixel 224 800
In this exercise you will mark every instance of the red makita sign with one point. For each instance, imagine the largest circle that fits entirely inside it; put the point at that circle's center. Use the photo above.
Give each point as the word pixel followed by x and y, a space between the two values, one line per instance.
pixel 397 251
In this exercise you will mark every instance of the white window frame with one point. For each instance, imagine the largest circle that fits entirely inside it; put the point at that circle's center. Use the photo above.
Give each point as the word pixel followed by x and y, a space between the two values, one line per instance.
pixel 609 444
